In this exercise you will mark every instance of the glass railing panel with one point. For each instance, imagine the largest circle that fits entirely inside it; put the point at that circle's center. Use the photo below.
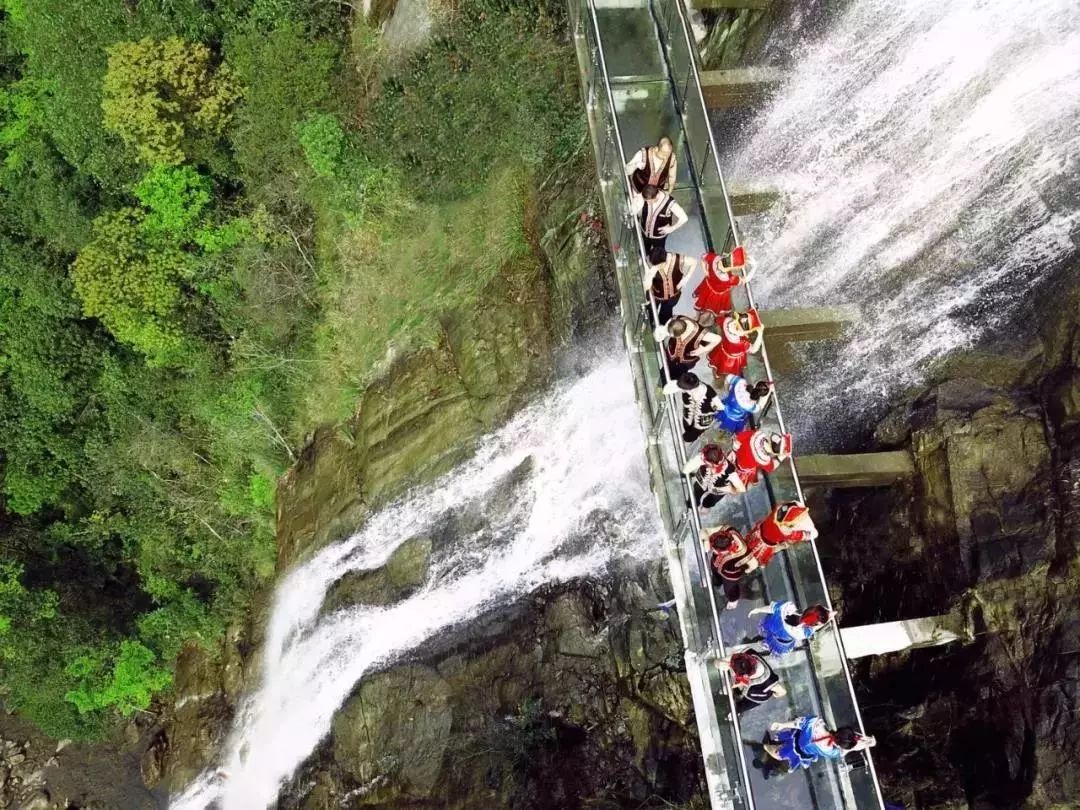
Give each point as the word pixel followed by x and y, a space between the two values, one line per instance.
pixel 680 60
pixel 646 113
pixel 696 122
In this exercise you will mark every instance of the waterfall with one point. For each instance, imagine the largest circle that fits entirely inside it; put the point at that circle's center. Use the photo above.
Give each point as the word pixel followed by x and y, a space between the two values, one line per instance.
pixel 580 447
pixel 926 153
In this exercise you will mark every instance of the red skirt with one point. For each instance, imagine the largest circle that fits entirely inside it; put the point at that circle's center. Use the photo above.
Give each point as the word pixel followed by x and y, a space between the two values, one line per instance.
pixel 707 298
pixel 723 363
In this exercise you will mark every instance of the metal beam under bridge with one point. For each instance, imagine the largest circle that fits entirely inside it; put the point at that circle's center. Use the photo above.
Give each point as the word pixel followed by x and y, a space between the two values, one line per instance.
pixel 857 470
pixel 786 326
pixel 731 4
pixel 738 87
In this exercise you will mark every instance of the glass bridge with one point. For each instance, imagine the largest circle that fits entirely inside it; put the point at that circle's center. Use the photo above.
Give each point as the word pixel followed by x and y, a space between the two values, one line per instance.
pixel 640 80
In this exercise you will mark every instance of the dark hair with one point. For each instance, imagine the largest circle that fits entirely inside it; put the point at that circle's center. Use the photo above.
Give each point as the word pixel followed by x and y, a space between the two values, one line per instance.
pixel 689 380
pixel 665 138
pixel 846 737
pixel 649 191
pixel 742 664
pixel 759 390
pixel 657 254
pixel 712 453
pixel 818 614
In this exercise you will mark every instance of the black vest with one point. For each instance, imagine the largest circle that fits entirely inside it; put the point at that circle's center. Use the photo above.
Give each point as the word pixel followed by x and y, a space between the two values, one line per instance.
pixel 659 281
pixel 651 224
pixel 639 178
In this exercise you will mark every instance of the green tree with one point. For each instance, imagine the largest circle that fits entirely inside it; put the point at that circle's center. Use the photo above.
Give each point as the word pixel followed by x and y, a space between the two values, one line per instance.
pixel 134 285
pixel 286 77
pixel 167 98
pixel 124 679
pixel 174 196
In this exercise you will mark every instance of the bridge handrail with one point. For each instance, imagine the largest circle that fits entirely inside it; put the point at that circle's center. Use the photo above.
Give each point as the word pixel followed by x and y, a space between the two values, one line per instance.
pixel 673 417
pixel 668 405
pixel 694 53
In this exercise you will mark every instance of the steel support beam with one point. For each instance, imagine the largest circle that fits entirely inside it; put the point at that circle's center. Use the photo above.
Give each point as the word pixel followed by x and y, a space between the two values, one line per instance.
pixel 890 637
pixel 738 87
pixel 731 4
pixel 748 201
pixel 786 326
pixel 858 470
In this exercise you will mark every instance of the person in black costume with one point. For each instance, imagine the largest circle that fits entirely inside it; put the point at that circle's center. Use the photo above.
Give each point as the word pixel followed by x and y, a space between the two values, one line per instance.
pixel 655 166
pixel 664 280
pixel 753 679
pixel 658 215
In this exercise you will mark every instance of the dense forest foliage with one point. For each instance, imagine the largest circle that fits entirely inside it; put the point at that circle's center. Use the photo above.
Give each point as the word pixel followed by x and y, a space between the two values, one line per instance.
pixel 216 217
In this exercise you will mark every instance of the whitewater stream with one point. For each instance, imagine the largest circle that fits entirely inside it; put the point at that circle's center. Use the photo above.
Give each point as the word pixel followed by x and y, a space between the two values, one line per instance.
pixel 927 153
pixel 540 482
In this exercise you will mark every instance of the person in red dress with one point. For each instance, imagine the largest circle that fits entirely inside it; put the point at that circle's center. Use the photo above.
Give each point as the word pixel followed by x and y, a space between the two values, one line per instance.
pixel 723 272
pixel 754 451
pixel 789 523
pixel 740 334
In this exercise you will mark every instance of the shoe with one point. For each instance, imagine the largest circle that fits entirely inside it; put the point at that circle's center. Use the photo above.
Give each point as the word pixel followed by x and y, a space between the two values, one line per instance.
pixel 732 605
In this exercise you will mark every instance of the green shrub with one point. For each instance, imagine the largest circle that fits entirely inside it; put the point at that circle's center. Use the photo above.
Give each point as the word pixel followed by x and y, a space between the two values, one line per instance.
pixel 323 141
pixel 497 90
pixel 134 286
pixel 287 77
pixel 123 679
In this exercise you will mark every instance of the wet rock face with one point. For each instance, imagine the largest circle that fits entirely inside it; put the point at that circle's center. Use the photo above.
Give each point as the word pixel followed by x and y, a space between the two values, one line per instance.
pixel 988 526
pixel 391 736
pixel 418 422
pixel 574 696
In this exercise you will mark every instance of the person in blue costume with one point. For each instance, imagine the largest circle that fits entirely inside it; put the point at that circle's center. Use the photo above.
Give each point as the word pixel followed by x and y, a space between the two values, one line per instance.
pixel 806 740
pixel 784 628
pixel 741 401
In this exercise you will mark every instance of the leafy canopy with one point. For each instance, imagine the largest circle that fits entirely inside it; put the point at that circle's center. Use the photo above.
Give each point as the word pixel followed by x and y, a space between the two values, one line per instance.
pixel 167 98
pixel 135 286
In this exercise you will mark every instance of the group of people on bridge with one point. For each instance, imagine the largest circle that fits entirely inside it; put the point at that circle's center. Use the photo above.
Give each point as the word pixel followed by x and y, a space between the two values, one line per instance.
pixel 723 337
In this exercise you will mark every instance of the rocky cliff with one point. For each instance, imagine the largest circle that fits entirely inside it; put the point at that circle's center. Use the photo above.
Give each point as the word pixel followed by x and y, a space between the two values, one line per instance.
pixel 571 697
pixel 988 526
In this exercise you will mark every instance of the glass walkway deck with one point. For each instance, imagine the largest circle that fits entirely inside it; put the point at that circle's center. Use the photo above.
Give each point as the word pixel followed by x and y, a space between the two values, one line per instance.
pixel 640 81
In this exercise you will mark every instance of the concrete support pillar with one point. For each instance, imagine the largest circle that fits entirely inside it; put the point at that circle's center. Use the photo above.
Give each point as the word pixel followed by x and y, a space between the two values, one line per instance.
pixel 738 87
pixel 731 4
pixel 786 326
pixel 888 637
pixel 858 470
pixel 747 201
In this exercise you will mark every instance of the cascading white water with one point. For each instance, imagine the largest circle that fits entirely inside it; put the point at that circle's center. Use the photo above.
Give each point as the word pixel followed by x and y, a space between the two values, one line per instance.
pixel 583 443
pixel 927 154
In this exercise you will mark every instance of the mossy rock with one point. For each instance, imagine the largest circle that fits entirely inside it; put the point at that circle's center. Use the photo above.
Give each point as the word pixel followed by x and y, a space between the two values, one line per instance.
pixel 402 575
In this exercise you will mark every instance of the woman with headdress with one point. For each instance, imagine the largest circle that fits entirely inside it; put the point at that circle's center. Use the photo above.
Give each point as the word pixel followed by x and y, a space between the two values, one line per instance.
pixel 785 627
pixel 723 272
pixel 806 740
pixel 753 679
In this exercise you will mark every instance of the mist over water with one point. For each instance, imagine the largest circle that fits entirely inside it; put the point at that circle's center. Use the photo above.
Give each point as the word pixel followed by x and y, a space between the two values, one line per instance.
pixel 560 492
pixel 927 156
